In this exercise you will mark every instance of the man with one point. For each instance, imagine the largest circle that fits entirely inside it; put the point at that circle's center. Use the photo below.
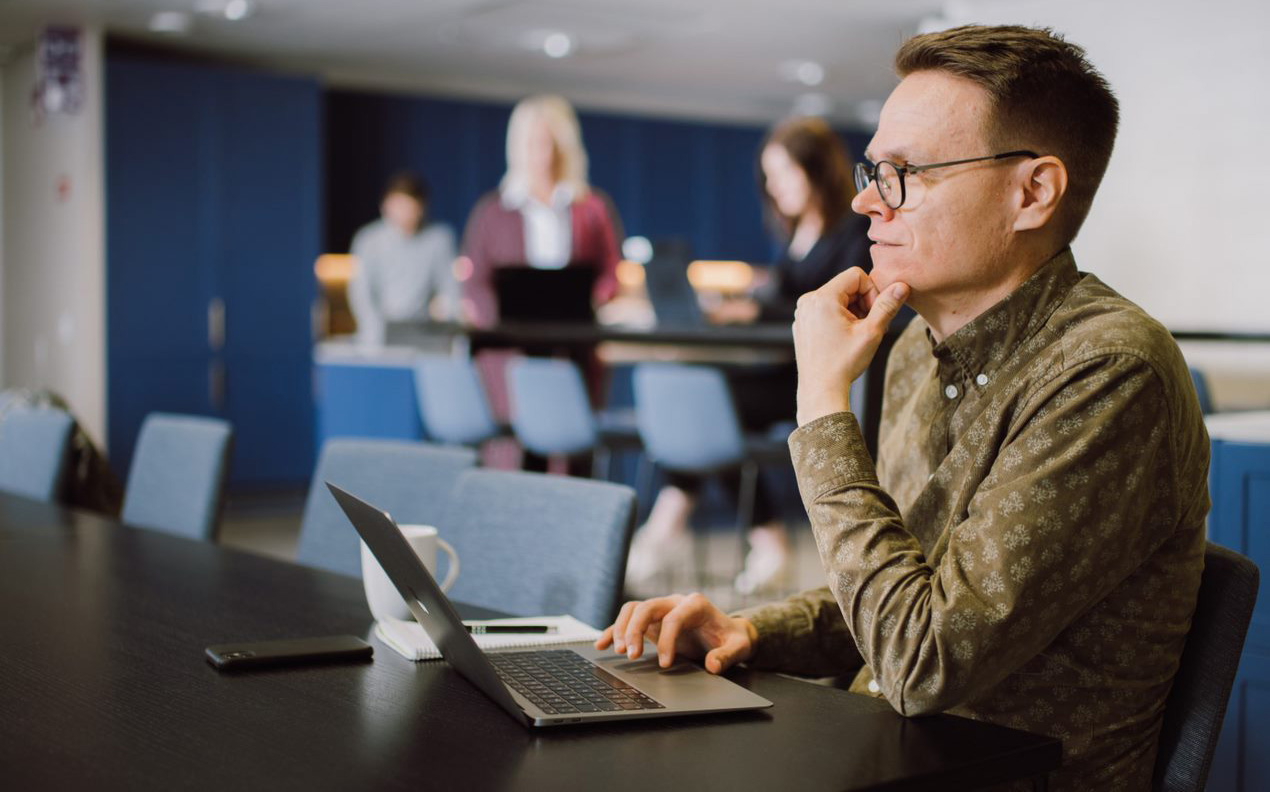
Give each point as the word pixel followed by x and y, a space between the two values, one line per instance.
pixel 1029 547
pixel 403 263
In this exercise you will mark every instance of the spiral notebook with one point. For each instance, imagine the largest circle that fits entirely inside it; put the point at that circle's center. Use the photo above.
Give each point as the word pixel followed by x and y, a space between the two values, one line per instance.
pixel 409 640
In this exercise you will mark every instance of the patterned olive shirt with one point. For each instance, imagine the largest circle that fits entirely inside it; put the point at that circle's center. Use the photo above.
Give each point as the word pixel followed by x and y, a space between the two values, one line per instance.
pixel 1029 547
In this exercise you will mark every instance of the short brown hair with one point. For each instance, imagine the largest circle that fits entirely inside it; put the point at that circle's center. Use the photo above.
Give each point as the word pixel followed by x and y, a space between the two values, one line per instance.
pixel 820 153
pixel 1044 95
pixel 407 183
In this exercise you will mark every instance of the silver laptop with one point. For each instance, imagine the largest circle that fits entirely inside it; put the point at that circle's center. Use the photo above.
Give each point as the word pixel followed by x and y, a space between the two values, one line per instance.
pixel 550 686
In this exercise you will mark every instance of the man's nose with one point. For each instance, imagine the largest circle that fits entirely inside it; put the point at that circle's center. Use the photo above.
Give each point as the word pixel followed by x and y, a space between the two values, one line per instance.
pixel 869 201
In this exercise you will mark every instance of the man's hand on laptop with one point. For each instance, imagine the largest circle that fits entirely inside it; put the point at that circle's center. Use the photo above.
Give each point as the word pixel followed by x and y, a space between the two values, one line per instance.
pixel 689 625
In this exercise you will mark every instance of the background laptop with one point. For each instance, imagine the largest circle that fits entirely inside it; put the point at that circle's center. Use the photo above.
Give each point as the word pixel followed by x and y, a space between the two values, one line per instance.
pixel 673 299
pixel 593 685
pixel 526 294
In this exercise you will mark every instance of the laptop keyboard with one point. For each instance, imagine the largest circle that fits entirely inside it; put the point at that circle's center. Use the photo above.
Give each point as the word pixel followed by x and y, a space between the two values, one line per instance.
pixel 563 681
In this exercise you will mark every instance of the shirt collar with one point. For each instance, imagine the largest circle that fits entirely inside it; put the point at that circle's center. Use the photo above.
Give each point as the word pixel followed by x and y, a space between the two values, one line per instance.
pixel 973 353
pixel 515 195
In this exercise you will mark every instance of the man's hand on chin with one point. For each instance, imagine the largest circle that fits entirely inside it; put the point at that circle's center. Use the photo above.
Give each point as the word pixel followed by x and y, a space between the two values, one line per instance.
pixel 837 330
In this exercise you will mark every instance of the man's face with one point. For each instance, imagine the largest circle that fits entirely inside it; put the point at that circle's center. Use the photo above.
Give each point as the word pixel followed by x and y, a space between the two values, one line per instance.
pixel 949 237
pixel 402 211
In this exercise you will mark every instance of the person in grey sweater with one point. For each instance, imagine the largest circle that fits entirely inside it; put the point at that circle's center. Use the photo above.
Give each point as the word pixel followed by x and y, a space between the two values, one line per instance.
pixel 404 263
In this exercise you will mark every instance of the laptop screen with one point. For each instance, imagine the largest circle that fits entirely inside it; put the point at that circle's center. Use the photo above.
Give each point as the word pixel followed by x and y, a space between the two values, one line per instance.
pixel 526 294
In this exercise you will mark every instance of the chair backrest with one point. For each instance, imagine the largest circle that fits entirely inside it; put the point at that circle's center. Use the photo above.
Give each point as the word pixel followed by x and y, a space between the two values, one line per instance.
pixel 686 418
pixel 550 410
pixel 176 482
pixel 534 544
pixel 34 447
pixel 452 401
pixel 1201 390
pixel 409 480
pixel 1196 705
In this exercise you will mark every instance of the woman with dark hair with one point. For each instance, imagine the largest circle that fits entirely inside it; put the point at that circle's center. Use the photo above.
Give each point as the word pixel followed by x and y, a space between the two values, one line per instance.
pixel 804 176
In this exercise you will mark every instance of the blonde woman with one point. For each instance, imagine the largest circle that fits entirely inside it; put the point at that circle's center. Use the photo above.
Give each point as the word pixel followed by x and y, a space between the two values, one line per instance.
pixel 544 213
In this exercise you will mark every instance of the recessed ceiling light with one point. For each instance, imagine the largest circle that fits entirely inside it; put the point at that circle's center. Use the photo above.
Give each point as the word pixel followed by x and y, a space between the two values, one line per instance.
pixel 237 9
pixel 557 45
pixel 807 72
pixel 175 23
pixel 812 104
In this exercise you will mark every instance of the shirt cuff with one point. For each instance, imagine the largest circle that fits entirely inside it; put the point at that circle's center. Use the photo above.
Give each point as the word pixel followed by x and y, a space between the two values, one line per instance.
pixel 829 453
pixel 777 628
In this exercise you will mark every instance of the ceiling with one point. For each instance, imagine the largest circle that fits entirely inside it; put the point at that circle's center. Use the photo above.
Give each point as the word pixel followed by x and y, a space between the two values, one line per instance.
pixel 719 59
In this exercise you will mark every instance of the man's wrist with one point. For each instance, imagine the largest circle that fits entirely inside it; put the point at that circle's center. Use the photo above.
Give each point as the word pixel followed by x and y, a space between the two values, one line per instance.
pixel 751 635
pixel 812 407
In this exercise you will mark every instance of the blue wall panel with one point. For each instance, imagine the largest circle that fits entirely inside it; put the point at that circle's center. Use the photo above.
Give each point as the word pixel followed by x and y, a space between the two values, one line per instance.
pixel 214 190
pixel 1240 520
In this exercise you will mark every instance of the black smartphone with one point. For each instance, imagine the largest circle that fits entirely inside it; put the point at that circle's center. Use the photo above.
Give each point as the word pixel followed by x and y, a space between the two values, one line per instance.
pixel 294 651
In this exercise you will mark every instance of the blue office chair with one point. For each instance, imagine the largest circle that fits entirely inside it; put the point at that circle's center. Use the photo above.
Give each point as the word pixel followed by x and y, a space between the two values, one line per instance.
pixel 1201 390
pixel 411 481
pixel 452 401
pixel 533 544
pixel 551 414
pixel 177 478
pixel 688 424
pixel 34 448
pixel 1197 702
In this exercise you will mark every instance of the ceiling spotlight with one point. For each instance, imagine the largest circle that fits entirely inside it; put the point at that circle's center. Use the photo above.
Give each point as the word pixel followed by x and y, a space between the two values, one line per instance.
pixel 807 72
pixel 557 45
pixel 237 9
pixel 172 22
pixel 812 104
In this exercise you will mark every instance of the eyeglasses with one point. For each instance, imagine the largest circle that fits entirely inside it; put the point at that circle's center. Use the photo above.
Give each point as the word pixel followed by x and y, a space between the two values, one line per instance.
pixel 890 177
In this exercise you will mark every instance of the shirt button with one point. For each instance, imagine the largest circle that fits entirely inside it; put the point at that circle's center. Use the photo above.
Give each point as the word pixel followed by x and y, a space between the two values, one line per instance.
pixel 951 391
pixel 982 379
pixel 874 687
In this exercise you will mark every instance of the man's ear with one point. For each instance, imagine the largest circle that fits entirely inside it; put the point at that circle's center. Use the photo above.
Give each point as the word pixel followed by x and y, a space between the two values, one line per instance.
pixel 1041 191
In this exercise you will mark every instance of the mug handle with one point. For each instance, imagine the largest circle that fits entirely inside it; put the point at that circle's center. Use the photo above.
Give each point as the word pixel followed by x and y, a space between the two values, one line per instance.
pixel 453 571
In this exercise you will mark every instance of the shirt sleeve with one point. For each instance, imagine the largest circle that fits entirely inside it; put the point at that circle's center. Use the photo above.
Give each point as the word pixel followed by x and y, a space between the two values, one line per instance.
pixel 447 285
pixel 608 227
pixel 1079 493
pixel 361 290
pixel 478 284
pixel 805 635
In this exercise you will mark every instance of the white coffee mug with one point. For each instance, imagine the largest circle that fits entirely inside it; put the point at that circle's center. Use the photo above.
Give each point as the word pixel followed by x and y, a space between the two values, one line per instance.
pixel 381 594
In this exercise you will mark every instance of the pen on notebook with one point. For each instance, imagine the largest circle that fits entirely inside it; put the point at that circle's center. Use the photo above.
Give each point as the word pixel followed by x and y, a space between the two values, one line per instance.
pixel 488 629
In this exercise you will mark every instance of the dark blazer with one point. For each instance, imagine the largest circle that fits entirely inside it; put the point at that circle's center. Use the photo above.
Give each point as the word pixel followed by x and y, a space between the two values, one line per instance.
pixel 845 246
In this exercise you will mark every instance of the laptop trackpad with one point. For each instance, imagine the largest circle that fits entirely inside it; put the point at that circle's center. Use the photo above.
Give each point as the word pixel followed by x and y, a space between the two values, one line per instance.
pixel 682 685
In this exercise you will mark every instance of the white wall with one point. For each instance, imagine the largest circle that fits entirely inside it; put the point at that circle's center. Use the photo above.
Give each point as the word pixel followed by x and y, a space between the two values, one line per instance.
pixel 53 331
pixel 1180 224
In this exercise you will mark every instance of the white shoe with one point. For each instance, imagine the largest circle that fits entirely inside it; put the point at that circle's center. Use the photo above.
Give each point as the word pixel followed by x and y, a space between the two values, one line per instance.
pixel 765 567
pixel 652 555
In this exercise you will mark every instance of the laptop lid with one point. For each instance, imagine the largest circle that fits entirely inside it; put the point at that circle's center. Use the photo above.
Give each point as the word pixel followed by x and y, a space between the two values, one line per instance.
pixel 526 294
pixel 670 292
pixel 682 689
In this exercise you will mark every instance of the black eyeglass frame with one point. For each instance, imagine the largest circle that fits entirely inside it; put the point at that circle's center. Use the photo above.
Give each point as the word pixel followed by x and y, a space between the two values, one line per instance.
pixel 864 174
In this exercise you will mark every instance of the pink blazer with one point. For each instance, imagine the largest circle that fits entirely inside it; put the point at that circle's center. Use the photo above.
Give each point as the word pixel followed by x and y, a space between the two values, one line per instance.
pixel 495 237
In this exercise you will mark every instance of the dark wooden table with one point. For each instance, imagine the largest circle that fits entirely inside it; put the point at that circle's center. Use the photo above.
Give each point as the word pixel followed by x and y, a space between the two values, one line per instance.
pixel 103 686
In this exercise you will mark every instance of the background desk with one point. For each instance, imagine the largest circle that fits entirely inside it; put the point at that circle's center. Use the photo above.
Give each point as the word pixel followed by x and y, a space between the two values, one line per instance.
pixel 370 392
pixel 103 685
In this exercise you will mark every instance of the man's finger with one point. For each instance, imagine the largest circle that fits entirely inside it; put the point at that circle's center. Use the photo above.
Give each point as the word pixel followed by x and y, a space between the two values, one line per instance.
pixel 724 657
pixel 672 624
pixel 619 626
pixel 887 304
pixel 645 614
